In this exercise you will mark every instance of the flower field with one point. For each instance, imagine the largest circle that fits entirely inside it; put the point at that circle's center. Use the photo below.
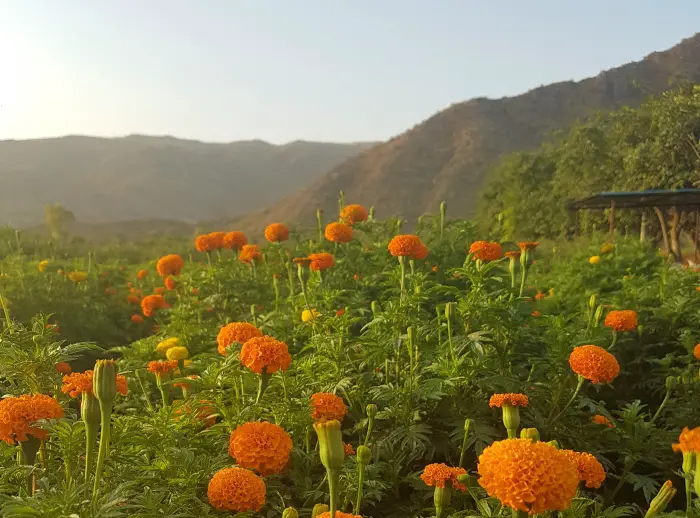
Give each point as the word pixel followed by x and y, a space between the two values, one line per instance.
pixel 355 369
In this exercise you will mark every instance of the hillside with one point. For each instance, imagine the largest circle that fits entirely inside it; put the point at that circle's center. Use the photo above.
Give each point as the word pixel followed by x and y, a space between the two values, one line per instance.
pixel 447 156
pixel 154 178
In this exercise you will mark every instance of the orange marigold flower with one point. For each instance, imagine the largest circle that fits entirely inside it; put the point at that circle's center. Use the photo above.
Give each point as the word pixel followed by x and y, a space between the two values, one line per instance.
pixel 81 382
pixel 239 332
pixel 536 314
pixel 171 264
pixel 133 299
pixel 321 261
pixel 696 351
pixel 159 290
pixel 590 470
pixel 338 232
pixel 528 476
pixel 486 250
pixel 540 295
pixel 216 240
pixel 498 400
pixel 203 243
pixel 303 261
pixel 18 414
pixel 202 410
pixel 249 254
pixel 528 245
pixel 601 419
pixel 162 366
pixel 513 254
pixel 405 245
pixel 688 441
pixel 327 407
pixel 625 320
pixel 142 274
pixel 261 446
pixel 420 253
pixel 237 489
pixel 63 368
pixel 235 240
pixel 137 319
pixel 340 312
pixel 265 352
pixel 339 514
pixel 353 213
pixel 276 232
pixel 349 450
pixel 170 283
pixel 436 475
pixel 594 363
pixel 152 303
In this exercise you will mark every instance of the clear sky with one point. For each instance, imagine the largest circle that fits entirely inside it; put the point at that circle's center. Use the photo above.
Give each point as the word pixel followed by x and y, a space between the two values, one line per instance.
pixel 281 70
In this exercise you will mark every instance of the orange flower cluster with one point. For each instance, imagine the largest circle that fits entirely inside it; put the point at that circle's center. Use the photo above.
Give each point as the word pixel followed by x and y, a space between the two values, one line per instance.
pixel 18 414
pixel 407 245
pixel 209 242
pixel 170 283
pixel 589 469
pixel 171 264
pixel 63 368
pixel 339 514
pixel 152 303
pixel 486 250
pixel 201 410
pixel 349 450
pixel 624 320
pixel 236 489
pixel 498 400
pixel 338 232
pixel 513 254
pixel 261 446
pixel 276 232
pixel 529 476
pixel 594 363
pixel 353 213
pixel 528 245
pixel 142 274
pixel 81 383
pixel 436 475
pixel 601 419
pixel 688 441
pixel 265 352
pixel 239 332
pixel 321 261
pixel 249 254
pixel 327 407
pixel 162 366
pixel 235 240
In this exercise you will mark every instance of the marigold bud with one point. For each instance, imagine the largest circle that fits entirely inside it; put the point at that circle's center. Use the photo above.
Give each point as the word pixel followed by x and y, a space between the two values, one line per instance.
pixel 105 381
pixel 671 382
pixel 530 433
pixel 372 410
pixel 661 500
pixel 593 301
pixel 554 443
pixel 319 509
pixel 448 310
pixel 441 498
pixel 465 479
pixel 330 440
pixel 364 454
pixel 290 512
pixel 598 315
pixel 511 419
pixel 375 308
pixel 688 461
pixel 90 409
pixel 467 425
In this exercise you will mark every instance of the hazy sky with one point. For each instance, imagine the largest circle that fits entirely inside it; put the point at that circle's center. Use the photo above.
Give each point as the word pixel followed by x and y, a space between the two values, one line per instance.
pixel 280 70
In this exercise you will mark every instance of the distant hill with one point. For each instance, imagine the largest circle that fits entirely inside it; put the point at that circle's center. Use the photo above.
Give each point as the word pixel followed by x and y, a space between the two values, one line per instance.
pixel 154 178
pixel 447 156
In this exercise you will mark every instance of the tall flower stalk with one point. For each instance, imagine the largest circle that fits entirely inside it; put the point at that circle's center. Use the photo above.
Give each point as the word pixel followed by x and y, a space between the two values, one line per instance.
pixel 105 390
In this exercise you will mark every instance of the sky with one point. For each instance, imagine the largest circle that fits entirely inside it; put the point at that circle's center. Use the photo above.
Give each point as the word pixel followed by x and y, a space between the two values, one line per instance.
pixel 281 70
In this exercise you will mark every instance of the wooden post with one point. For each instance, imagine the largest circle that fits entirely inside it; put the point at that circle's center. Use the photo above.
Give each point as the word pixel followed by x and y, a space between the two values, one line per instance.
pixel 612 219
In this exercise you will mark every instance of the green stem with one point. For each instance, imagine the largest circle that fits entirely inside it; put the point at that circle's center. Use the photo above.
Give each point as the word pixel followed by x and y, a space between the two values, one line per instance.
pixel 614 340
pixel 688 494
pixel 661 406
pixel 360 482
pixel 333 480
pixel 106 418
pixel 90 440
pixel 370 423
pixel 402 264
pixel 29 449
pixel 164 394
pixel 263 382
pixel 581 379
pixel 449 340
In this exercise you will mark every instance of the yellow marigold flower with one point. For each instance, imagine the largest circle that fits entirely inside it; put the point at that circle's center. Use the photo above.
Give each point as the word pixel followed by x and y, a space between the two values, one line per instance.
pixel 171 264
pixel 261 446
pixel 405 245
pixel 594 259
pixel 177 353
pixel 623 320
pixel 696 351
pixel 353 213
pixel 338 232
pixel 607 248
pixel 689 441
pixel 498 400
pixel 534 477
pixel 486 250
pixel 239 332
pixel 590 470
pixel 43 265
pixel 321 261
pixel 594 363
pixel 235 240
pixel 276 232
pixel 327 407
pixel 601 419
pixel 236 489
pixel 265 352
pixel 436 475
pixel 309 315
pixel 77 276
pixel 19 414
pixel 166 344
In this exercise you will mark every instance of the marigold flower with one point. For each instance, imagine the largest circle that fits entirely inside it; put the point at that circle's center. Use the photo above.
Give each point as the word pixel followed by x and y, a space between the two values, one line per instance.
pixel 216 240
pixel 142 274
pixel 63 368
pixel 349 450
pixel 77 276
pixel 170 283
pixel 486 250
pixel 204 243
pixel 353 213
pixel 338 232
pixel 162 366
pixel 239 332
pixel 43 265
pixel 590 470
pixel 688 441
pixel 82 382
pixel 133 299
pixel 540 295
pixel 137 319
pixel 420 253
pixel 236 489
pixel 152 303
pixel 594 363
pixel 19 414
pixel 309 315
pixel 595 259
pixel 601 419
pixel 327 407
pixel 171 264
pixel 536 314
pixel 340 312
pixel 249 254
pixel 276 232
pixel 166 344
pixel 321 261
pixel 265 352
pixel 528 245
pixel 498 400
pixel 624 320
pixel 513 254
pixel 696 351
pixel 529 476
pixel 305 262
pixel 436 475
pixel 235 240
pixel 607 248
pixel 261 446
pixel 405 245
pixel 159 290
pixel 176 353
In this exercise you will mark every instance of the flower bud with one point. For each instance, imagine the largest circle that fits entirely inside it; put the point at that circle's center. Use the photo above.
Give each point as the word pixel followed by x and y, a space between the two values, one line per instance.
pixel 688 461
pixel 465 479
pixel 90 409
pixel 441 498
pixel 511 419
pixel 661 500
pixel 593 301
pixel 448 310
pixel 371 410
pixel 671 382
pixel 104 383
pixel 554 443
pixel 443 208
pixel 530 433
pixel 467 425
pixel 371 213
pixel 319 509
pixel 290 512
pixel 375 308
pixel 330 440
pixel 598 315
pixel 364 454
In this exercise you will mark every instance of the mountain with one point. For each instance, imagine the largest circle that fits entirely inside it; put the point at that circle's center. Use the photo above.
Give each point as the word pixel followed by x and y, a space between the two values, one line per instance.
pixel 154 178
pixel 447 156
